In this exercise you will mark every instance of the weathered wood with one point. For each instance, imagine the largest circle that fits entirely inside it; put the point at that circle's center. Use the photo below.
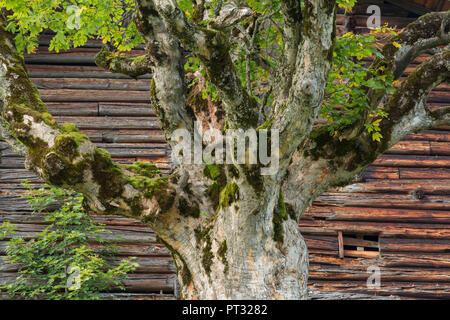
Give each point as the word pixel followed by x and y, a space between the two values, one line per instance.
pixel 73 109
pixel 421 173
pixel 413 147
pixel 92 84
pixel 359 242
pixel 126 110
pixel 389 160
pixel 123 249
pixel 314 294
pixel 112 123
pixel 137 138
pixel 152 264
pixel 150 282
pixel 374 172
pixel 391 274
pixel 385 260
pixel 377 215
pixel 388 230
pixel 415 245
pixel 435 186
pixel 127 234
pixel 80 74
pixel 59 59
pixel 135 283
pixel 322 242
pixel 418 290
pixel 67 95
pixel 441 202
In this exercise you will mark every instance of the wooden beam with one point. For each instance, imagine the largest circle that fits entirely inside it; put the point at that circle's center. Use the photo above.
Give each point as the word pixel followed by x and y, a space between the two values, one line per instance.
pixel 410 6
pixel 341 244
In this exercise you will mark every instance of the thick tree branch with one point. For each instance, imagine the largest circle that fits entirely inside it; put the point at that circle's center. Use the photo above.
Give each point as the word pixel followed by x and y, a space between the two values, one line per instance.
pixel 168 90
pixel 64 157
pixel 324 161
pixel 131 66
pixel 426 33
pixel 296 116
pixel 229 16
pixel 212 48
pixel 8 137
pixel 291 32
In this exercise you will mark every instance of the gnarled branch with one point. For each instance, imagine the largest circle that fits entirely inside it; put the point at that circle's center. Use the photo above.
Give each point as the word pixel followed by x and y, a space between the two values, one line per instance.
pixel 212 48
pixel 62 156
pixel 325 161
pixel 296 116
pixel 131 66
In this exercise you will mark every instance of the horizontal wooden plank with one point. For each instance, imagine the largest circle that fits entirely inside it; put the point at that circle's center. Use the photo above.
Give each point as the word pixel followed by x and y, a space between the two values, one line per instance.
pixel 386 260
pixel 392 274
pixel 322 242
pixel 61 73
pixel 66 95
pixel 123 249
pixel 418 147
pixel 435 186
pixel 419 260
pixel 17 175
pixel 383 200
pixel 377 215
pixel 127 138
pixel 116 296
pixel 126 110
pixel 414 245
pixel 111 123
pixel 145 264
pixel 418 290
pixel 361 254
pixel 388 230
pixel 117 234
pixel 421 173
pixel 389 160
pixel 60 59
pixel 92 84
pixel 135 282
pixel 374 172
pixel 73 109
pixel 150 282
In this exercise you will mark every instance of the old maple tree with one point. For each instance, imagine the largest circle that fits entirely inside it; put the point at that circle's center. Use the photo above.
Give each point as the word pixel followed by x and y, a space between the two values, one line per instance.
pixel 233 232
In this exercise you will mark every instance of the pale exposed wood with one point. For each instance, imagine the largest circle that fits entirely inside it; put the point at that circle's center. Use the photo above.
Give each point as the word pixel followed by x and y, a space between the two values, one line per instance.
pixel 341 244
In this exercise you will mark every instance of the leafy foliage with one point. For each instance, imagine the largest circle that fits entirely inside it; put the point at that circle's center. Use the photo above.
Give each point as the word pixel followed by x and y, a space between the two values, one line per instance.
pixel 61 263
pixel 346 100
pixel 73 22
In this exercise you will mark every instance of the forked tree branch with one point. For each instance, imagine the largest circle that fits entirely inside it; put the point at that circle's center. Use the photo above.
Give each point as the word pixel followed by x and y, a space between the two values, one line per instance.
pixel 212 48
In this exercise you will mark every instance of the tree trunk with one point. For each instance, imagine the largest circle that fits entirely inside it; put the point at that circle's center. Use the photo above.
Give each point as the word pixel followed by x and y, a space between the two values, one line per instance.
pixel 249 251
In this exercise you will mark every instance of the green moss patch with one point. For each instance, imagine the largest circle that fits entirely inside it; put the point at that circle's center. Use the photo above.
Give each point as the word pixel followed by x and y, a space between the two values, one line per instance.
pixel 228 195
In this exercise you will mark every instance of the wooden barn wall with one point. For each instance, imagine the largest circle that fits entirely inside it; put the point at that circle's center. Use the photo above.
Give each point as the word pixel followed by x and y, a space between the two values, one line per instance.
pixel 396 216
